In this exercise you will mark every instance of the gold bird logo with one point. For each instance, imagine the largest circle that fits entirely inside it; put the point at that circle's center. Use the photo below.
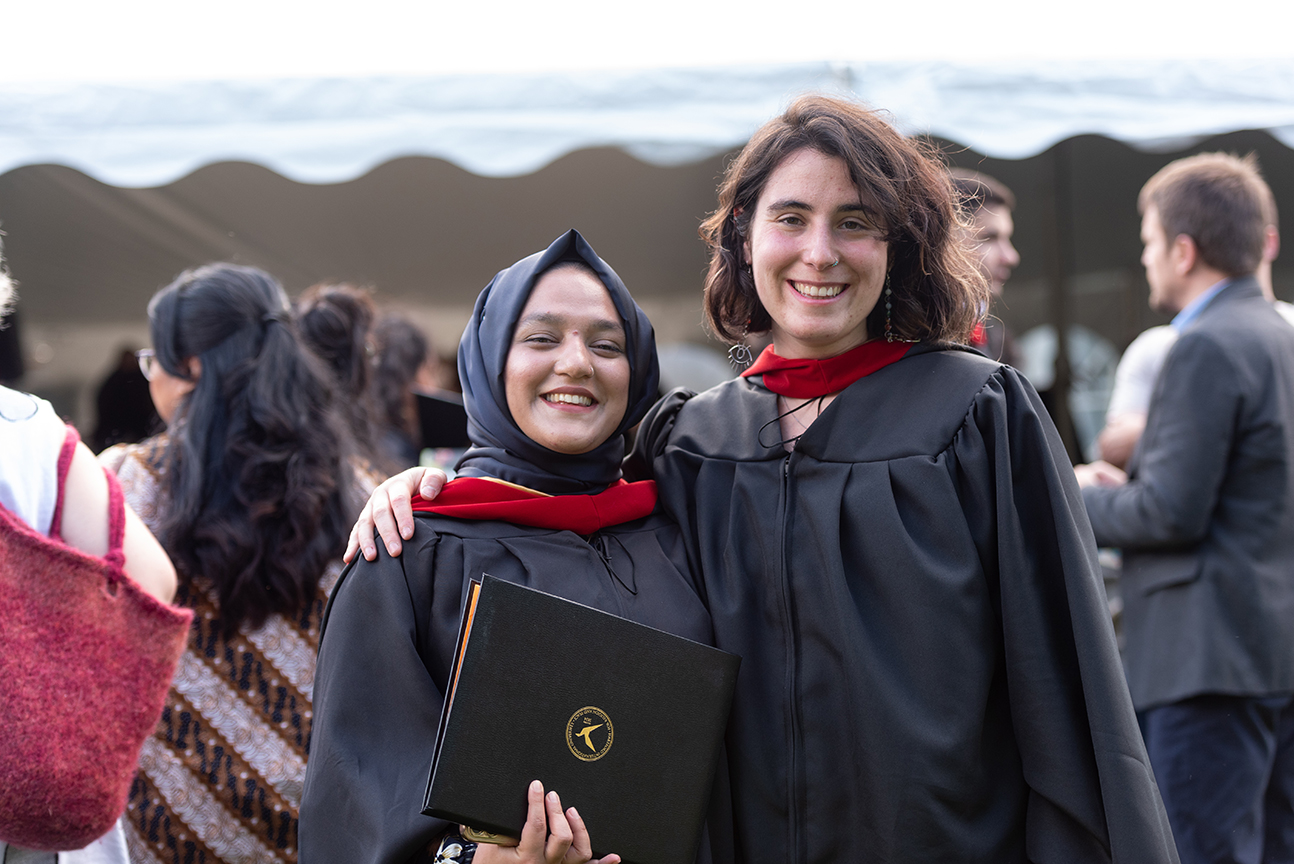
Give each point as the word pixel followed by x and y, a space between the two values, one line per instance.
pixel 584 733
pixel 582 725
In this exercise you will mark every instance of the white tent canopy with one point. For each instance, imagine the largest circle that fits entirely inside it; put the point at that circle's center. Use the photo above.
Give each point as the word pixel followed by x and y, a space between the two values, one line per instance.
pixel 185 162
pixel 335 129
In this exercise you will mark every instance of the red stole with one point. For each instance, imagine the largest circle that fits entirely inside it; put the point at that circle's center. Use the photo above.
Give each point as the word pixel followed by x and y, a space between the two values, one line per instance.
pixel 488 498
pixel 808 379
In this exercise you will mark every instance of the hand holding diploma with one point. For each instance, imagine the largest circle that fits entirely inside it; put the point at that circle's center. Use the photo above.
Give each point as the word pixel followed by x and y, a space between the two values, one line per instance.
pixel 549 836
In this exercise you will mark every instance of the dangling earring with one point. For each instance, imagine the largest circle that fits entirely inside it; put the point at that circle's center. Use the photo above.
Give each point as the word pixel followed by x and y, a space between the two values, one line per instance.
pixel 740 355
pixel 889 329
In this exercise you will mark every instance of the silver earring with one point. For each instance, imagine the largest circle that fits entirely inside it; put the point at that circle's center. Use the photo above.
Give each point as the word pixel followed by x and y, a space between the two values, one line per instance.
pixel 739 354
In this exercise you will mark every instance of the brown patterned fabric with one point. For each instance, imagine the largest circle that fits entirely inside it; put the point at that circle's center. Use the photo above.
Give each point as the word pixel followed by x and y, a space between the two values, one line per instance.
pixel 221 778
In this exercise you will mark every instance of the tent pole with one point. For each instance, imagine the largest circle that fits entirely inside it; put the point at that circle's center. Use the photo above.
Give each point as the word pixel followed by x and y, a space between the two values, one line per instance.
pixel 1060 216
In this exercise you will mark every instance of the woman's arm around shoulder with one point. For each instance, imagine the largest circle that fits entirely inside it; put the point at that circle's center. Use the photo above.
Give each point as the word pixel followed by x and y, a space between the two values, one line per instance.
pixel 388 510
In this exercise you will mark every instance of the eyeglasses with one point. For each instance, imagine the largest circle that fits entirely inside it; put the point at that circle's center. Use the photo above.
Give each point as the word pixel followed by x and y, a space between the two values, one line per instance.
pixel 147 362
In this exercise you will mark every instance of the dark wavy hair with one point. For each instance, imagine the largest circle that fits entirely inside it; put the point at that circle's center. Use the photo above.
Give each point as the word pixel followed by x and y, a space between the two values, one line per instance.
pixel 336 323
pixel 938 292
pixel 255 474
pixel 7 290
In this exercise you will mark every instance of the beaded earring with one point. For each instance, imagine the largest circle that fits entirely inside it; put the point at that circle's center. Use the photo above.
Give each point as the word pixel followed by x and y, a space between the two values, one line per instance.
pixel 889 329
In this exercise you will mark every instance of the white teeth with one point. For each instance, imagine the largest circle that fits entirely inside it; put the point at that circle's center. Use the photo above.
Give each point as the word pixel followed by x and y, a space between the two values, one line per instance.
pixel 817 290
pixel 568 398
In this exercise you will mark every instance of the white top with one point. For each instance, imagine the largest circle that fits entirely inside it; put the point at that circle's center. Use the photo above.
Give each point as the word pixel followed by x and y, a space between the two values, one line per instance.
pixel 1286 310
pixel 1134 379
pixel 31 437
pixel 1139 367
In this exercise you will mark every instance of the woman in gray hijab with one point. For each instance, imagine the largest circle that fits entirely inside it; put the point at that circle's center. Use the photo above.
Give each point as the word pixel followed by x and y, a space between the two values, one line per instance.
pixel 557 363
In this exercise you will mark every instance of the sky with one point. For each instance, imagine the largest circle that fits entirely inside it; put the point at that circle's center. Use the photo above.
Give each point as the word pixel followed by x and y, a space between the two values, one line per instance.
pixel 138 40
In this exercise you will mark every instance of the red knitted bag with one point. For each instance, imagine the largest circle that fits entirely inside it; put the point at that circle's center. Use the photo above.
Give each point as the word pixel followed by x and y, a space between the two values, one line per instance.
pixel 86 658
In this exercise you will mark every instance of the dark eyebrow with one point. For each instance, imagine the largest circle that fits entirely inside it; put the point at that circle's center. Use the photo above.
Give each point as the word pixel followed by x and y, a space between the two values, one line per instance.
pixel 792 204
pixel 550 318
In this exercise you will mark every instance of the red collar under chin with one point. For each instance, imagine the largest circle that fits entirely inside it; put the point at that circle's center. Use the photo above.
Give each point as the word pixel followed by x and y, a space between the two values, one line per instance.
pixel 487 498
pixel 804 378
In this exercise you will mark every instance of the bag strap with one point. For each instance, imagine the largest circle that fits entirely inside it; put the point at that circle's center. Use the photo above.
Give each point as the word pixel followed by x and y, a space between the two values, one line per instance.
pixel 115 558
pixel 65 454
pixel 116 522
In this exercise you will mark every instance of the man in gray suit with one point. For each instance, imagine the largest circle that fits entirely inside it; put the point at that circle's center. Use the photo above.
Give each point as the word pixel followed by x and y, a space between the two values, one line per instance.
pixel 1205 518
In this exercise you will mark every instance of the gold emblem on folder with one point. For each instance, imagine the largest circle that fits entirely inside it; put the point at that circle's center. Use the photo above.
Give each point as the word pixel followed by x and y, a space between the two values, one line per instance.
pixel 589 734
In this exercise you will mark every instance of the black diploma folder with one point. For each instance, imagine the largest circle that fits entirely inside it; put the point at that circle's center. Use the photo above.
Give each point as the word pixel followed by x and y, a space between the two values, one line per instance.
pixel 624 721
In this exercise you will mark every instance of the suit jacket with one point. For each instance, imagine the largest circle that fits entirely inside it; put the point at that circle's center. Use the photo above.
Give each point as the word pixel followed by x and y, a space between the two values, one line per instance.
pixel 1206 520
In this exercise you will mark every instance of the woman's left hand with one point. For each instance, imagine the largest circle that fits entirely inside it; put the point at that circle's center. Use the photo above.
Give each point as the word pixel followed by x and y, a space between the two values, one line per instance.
pixel 549 836
pixel 388 510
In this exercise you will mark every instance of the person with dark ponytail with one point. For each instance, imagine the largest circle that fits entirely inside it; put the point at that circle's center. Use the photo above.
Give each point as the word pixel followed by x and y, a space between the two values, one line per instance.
pixel 336 322
pixel 400 362
pixel 248 490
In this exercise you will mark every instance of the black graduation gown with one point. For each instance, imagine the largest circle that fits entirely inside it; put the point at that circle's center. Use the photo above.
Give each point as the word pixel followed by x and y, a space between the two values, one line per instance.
pixel 929 672
pixel 386 649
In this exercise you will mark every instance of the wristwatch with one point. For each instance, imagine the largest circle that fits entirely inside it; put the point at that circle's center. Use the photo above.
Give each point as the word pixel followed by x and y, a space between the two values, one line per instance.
pixel 455 850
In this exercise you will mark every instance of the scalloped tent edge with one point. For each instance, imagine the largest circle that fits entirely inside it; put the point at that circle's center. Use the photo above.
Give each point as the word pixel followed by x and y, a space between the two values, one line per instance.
pixel 332 130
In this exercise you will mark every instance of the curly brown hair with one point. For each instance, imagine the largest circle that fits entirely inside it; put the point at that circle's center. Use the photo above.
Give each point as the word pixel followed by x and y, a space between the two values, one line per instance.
pixel 938 292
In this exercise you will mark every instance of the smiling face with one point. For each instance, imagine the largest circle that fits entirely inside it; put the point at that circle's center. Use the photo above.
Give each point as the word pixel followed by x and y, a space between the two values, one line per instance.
pixel 567 374
pixel 809 217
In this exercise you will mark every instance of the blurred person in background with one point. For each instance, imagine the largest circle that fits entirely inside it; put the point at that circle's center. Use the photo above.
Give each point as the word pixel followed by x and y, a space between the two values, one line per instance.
pixel 402 363
pixel 248 491
pixel 50 481
pixel 1205 519
pixel 11 365
pixel 1142 360
pixel 124 407
pixel 988 205
pixel 336 321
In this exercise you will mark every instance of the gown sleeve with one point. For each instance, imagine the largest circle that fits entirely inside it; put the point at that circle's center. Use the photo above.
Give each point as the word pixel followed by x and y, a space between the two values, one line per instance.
pixel 653 434
pixel 376 712
pixel 1092 795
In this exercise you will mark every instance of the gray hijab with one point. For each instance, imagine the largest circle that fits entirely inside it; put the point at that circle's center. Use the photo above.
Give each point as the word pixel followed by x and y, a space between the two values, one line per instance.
pixel 499 448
